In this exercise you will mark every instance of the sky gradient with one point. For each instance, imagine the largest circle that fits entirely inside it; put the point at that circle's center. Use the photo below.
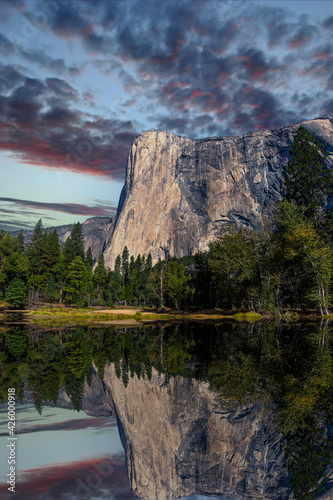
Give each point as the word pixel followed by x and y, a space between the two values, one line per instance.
pixel 80 79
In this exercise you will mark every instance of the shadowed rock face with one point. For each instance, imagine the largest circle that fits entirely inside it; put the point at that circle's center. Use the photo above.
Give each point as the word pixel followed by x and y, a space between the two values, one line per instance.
pixel 178 192
pixel 97 233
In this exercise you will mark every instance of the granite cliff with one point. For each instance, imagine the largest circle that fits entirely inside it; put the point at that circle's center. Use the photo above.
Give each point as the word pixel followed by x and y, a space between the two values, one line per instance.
pixel 178 192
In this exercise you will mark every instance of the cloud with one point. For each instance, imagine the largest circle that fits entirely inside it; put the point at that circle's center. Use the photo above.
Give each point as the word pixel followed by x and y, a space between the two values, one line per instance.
pixel 328 23
pixel 303 36
pixel 182 61
pixel 100 210
pixel 38 57
pixel 103 478
pixel 9 226
pixel 69 425
pixel 40 125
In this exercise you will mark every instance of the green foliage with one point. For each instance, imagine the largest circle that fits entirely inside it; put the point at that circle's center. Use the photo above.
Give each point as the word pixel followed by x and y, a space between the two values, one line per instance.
pixel 17 293
pixel 234 263
pixel 74 282
pixel 74 245
pixel 309 451
pixel 100 279
pixel 177 288
pixel 89 259
pixel 308 261
pixel 309 180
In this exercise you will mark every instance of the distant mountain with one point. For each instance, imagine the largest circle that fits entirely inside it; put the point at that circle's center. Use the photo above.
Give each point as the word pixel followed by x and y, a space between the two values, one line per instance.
pixel 97 232
pixel 179 192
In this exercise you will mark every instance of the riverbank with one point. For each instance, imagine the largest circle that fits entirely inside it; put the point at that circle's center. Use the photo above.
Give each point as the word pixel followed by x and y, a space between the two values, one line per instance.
pixel 69 316
pixel 129 315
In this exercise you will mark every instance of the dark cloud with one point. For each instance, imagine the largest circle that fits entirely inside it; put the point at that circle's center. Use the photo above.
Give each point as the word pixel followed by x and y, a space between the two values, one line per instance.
pixel 69 425
pixel 58 65
pixel 6 46
pixel 303 36
pixel 102 478
pixel 65 21
pixel 328 23
pixel 277 33
pixel 40 126
pixel 184 65
pixel 328 108
pixel 258 66
pixel 9 78
pixel 100 210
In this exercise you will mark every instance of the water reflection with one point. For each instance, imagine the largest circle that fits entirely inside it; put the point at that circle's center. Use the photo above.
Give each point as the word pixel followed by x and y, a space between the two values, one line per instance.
pixel 229 409
pixel 64 455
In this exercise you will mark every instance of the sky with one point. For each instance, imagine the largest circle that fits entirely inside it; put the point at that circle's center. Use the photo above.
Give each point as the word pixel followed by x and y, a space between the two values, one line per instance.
pixel 64 454
pixel 80 79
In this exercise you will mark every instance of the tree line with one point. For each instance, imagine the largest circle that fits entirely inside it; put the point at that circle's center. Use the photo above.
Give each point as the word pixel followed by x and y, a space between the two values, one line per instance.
pixel 286 264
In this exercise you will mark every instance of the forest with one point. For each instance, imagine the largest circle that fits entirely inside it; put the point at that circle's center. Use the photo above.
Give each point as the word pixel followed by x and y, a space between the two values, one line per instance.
pixel 286 264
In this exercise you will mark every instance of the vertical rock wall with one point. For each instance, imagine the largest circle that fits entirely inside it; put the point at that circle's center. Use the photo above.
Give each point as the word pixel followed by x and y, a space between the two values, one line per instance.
pixel 178 192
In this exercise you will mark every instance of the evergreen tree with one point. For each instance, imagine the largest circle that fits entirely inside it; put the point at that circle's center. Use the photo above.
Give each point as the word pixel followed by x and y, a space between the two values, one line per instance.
pixel 309 181
pixel 117 289
pixel 125 265
pixel 35 248
pixel 74 281
pixel 12 263
pixel 74 245
pixel 17 293
pixel 100 278
pixel 18 242
pixel 89 259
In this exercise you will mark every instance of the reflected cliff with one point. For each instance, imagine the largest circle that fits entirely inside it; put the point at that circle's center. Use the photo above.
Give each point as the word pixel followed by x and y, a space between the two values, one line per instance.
pixel 230 410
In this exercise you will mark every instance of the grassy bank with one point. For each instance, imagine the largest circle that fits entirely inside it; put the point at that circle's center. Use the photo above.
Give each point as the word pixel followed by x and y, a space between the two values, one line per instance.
pixel 60 316
pixel 75 316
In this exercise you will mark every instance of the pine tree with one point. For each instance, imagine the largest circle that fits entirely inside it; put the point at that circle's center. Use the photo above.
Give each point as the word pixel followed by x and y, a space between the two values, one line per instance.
pixel 74 281
pixel 74 245
pixel 89 259
pixel 35 248
pixel 309 181
pixel 12 263
pixel 125 265
pixel 17 293
pixel 19 242
pixel 100 278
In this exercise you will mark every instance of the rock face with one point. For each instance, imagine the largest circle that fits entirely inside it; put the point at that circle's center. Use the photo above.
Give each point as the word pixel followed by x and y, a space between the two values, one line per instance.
pixel 178 192
pixel 179 440
pixel 97 233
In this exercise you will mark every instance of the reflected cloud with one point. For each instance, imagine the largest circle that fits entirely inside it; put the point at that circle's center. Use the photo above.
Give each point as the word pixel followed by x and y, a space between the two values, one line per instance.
pixel 104 478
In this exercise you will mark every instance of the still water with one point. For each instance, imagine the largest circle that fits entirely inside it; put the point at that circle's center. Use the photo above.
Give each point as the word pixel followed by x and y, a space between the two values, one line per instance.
pixel 170 411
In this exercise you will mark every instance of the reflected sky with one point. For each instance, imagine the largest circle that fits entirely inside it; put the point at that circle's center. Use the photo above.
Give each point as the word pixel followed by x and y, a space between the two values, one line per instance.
pixel 64 454
pixel 68 455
